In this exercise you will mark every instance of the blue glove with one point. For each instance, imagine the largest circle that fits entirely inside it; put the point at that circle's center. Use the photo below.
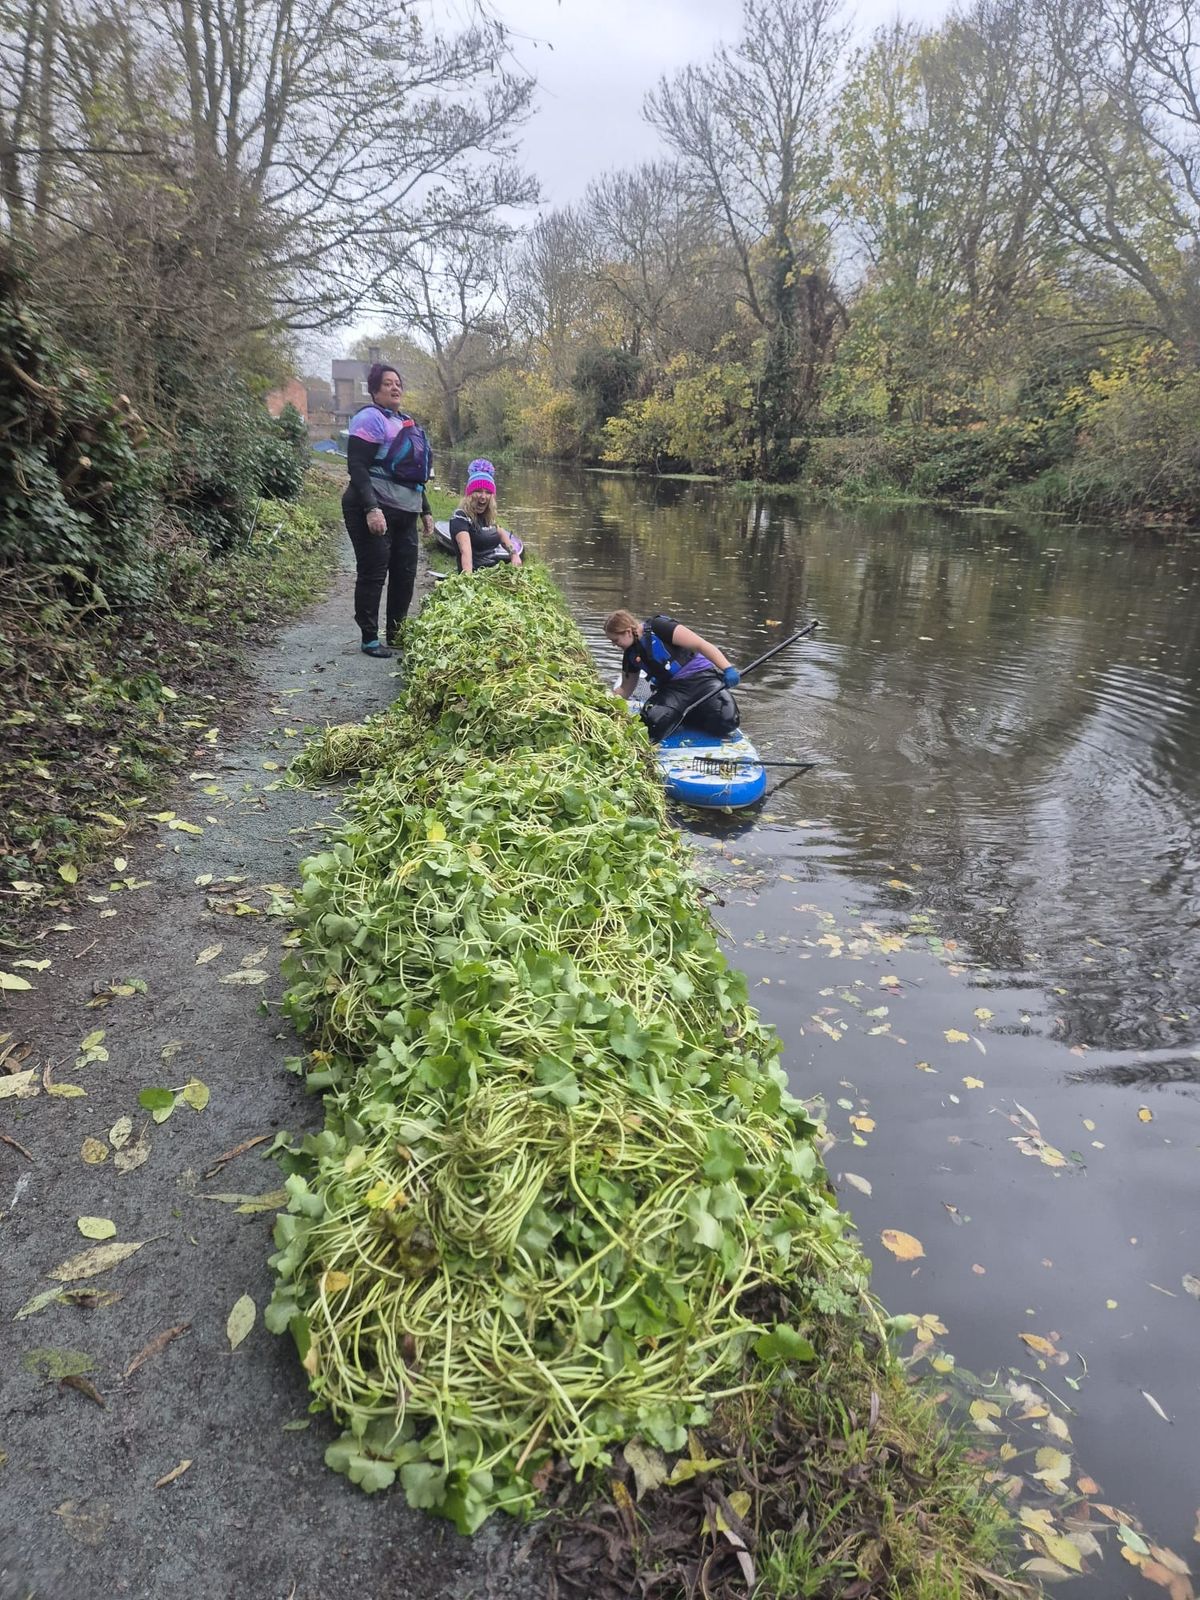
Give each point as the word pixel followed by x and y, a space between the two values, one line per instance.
pixel 732 677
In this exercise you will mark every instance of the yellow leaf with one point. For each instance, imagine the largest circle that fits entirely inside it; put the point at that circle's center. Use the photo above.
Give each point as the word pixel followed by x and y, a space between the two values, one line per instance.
pixel 863 1124
pixel 902 1245
pixel 195 1094
pixel 184 827
pixel 1061 1549
pixel 983 1013
pixel 90 1262
pixel 332 1282
pixel 435 831
pixel 1053 1462
pixel 9 980
pixel 93 1151
pixel 956 1036
pixel 96 1227
pixel 66 1091
pixel 973 1083
pixel 1036 1342
pixel 1145 1114
pixel 68 873
pixel 209 953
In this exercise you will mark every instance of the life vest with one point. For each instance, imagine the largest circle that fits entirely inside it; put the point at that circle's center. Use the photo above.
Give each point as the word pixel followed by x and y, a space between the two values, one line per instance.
pixel 662 662
pixel 407 457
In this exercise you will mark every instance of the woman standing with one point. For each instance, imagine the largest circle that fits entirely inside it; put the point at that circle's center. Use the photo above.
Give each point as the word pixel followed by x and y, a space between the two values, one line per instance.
pixel 390 461
pixel 478 541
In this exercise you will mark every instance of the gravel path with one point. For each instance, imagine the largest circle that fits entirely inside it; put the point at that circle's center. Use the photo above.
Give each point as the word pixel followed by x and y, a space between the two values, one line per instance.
pixel 256 1515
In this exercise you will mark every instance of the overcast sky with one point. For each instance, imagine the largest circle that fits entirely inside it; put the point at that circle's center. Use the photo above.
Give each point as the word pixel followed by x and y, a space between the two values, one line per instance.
pixel 595 60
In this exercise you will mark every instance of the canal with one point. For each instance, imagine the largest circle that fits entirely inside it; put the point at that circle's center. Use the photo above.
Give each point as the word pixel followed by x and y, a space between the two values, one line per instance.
pixel 976 927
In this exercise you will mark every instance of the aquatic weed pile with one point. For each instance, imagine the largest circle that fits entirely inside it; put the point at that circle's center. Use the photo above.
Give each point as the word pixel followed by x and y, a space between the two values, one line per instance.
pixel 559 1157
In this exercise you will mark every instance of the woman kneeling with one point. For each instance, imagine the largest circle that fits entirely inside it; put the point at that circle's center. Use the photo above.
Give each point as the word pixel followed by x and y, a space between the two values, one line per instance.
pixel 683 669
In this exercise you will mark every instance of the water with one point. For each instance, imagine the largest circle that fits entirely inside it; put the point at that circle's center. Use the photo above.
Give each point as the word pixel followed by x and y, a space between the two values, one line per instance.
pixel 976 924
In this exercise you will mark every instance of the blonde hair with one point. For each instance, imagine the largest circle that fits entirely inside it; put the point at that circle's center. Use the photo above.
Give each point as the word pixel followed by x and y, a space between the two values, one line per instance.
pixel 618 621
pixel 464 509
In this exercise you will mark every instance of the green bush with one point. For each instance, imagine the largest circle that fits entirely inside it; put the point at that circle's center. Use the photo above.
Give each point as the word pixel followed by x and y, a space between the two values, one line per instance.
pixel 224 464
pixel 78 484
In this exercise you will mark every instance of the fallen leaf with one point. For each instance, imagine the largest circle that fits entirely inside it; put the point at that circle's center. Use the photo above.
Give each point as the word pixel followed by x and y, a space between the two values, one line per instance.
pixel 76 1380
pixel 33 966
pixel 210 953
pixel 195 1094
pixel 118 1134
pixel 1060 1548
pixel 240 1320
pixel 902 1245
pixel 88 1263
pixel 855 1182
pixel 68 873
pixel 973 1083
pixel 19 1085
pixel 1145 1114
pixel 1043 1347
pixel 96 1227
pixel 245 975
pixel 957 1036
pixel 983 1013
pixel 238 1150
pixel 1087 1485
pixel 648 1466
pixel 88 1527
pixel 863 1124
pixel 9 980
pixel 1154 1405
pixel 159 1342
pixel 158 1102
pixel 1191 1284
pixel 169 1477
pixel 184 827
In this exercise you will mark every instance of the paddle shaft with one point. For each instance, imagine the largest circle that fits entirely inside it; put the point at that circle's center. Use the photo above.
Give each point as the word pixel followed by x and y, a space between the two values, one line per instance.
pixel 745 672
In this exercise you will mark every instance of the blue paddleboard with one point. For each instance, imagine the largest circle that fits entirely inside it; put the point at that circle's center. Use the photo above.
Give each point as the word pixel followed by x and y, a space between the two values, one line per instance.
pixel 682 757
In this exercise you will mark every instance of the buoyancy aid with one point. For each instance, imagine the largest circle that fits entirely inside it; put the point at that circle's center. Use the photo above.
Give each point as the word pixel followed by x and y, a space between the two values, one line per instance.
pixel 661 662
pixel 406 456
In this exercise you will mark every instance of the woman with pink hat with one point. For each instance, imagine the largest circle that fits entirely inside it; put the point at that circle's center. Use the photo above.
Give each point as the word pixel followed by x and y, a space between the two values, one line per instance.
pixel 478 541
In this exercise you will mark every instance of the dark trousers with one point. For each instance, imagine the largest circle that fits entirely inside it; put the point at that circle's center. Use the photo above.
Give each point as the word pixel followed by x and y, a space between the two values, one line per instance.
pixel 390 557
pixel 668 706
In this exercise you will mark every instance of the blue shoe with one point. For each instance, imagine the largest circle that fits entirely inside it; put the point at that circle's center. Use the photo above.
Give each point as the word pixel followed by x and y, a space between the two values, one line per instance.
pixel 376 648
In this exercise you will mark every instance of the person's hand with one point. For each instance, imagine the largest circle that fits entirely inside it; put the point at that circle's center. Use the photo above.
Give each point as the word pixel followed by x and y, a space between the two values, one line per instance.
pixel 376 521
pixel 731 677
pixel 427 520
pixel 516 560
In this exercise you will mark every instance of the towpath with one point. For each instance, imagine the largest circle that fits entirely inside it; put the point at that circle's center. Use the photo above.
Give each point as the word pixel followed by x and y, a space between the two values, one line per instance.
pixel 141 1453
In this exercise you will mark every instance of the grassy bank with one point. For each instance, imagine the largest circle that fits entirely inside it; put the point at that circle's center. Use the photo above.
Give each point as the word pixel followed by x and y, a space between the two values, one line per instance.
pixel 565 1238
pixel 99 706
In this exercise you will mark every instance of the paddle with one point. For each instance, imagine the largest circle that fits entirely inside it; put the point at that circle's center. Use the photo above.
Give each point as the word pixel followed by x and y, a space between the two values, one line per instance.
pixel 745 672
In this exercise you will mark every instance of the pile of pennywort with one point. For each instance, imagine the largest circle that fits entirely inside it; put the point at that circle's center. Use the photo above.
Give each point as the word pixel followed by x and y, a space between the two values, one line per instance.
pixel 559 1163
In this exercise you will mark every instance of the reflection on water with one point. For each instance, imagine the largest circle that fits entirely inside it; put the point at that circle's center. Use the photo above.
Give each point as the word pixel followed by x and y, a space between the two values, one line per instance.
pixel 1011 710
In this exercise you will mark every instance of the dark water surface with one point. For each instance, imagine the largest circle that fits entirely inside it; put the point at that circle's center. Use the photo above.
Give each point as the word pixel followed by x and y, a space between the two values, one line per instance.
pixel 976 925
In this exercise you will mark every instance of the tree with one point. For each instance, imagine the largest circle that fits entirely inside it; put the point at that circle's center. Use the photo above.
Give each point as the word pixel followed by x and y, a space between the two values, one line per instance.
pixel 332 128
pixel 451 290
pixel 751 131
pixel 1124 185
